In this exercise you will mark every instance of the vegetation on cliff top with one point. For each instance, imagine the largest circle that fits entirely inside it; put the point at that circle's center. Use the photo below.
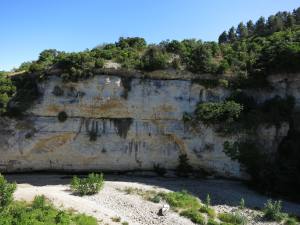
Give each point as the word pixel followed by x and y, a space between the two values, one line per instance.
pixel 245 55
pixel 255 49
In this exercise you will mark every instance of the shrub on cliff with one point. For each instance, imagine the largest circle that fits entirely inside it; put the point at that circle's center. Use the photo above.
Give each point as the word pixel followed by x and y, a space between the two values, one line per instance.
pixel 154 59
pixel 217 112
pixel 87 186
pixel 7 89
pixel 6 192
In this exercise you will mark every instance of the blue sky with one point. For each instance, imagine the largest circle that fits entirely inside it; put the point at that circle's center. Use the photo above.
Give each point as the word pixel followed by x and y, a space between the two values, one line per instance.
pixel 30 26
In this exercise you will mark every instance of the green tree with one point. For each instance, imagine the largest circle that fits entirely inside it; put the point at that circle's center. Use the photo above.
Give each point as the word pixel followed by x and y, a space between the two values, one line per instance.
pixel 131 42
pixel 290 20
pixel 274 24
pixel 242 31
pixel 250 27
pixel 6 192
pixel 223 38
pixel 232 34
pixel 296 14
pixel 260 26
pixel 201 60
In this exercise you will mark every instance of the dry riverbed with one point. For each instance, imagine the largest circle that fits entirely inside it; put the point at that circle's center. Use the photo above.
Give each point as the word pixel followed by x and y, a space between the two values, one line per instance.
pixel 113 203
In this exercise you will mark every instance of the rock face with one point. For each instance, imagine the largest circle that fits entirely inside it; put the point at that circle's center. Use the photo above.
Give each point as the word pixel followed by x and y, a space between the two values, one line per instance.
pixel 118 124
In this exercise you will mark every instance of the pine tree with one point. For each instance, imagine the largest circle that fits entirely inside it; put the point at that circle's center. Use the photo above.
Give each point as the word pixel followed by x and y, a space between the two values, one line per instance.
pixel 296 14
pixel 242 31
pixel 250 27
pixel 231 34
pixel 260 26
pixel 274 24
pixel 290 21
pixel 223 38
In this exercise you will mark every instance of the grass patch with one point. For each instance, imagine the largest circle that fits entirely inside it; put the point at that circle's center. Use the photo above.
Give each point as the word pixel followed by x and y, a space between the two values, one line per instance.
pixel 212 222
pixel 272 211
pixel 291 221
pixel 194 215
pixel 182 199
pixel 149 195
pixel 208 210
pixel 233 218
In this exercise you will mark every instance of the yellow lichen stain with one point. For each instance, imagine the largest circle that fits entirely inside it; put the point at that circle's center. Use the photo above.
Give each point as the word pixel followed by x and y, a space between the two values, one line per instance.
pixel 166 108
pixel 53 109
pixel 53 143
pixel 107 107
pixel 179 142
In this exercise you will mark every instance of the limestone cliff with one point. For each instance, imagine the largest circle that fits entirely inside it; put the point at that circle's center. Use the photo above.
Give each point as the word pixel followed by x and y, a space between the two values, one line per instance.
pixel 120 124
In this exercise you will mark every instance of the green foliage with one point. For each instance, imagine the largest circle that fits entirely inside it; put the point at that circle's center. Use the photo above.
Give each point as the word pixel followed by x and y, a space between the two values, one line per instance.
pixel 131 42
pixel 208 210
pixel 155 199
pixel 272 211
pixel 242 203
pixel 207 201
pixel 26 93
pixel 41 212
pixel 154 59
pixel 201 60
pixel 211 112
pixel 7 90
pixel 291 221
pixel 184 168
pixel 87 186
pixel 194 216
pixel 212 222
pixel 235 218
pixel 6 192
pixel 182 199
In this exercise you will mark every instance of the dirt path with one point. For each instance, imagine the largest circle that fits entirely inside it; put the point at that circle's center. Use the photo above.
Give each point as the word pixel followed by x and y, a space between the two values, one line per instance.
pixel 111 202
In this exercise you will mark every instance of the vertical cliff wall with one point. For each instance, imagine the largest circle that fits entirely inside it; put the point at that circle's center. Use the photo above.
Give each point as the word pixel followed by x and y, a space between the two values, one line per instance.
pixel 114 123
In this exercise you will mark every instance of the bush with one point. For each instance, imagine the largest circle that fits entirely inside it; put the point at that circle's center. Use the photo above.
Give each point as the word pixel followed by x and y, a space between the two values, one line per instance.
pixel 234 218
pixel 6 192
pixel 194 216
pixel 182 199
pixel 154 59
pixel 183 168
pixel 7 90
pixel 41 212
pixel 272 211
pixel 87 186
pixel 39 202
pixel 212 112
